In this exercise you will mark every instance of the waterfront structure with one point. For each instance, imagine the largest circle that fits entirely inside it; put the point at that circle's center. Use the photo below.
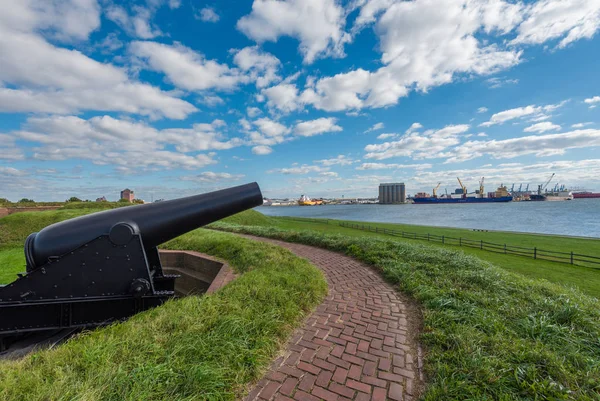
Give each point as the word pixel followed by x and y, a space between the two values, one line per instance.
pixel 390 193
pixel 127 194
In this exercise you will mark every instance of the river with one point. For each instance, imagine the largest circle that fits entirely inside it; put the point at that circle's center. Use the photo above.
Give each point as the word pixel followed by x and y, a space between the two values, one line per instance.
pixel 580 217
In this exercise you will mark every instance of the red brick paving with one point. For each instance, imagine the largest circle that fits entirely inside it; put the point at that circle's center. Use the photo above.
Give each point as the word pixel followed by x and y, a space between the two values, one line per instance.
pixel 355 346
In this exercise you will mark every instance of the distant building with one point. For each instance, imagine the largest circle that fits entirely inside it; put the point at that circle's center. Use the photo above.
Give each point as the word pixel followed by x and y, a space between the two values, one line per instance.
pixel 103 199
pixel 392 193
pixel 127 194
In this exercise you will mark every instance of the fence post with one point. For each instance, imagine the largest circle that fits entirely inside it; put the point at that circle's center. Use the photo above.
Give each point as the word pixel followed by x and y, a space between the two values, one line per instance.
pixel 442 239
pixel 505 249
pixel 481 246
pixel 571 257
pixel 535 252
pixel 427 236
pixel 459 241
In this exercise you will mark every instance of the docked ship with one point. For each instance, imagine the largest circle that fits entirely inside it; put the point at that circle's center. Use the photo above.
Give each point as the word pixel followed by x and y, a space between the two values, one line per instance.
pixel 557 194
pixel 462 196
pixel 306 201
pixel 585 195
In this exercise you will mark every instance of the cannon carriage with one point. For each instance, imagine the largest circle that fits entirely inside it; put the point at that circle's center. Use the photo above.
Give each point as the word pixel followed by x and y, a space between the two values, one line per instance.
pixel 105 267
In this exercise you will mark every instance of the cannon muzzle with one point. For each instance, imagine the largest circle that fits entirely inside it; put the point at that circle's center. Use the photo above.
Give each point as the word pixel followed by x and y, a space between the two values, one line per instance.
pixel 157 222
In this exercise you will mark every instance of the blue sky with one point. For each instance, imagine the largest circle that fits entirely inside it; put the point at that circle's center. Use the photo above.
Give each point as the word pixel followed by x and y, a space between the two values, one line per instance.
pixel 323 97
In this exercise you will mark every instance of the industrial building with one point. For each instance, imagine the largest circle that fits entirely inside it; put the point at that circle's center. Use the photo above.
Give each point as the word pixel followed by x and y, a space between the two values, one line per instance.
pixel 392 193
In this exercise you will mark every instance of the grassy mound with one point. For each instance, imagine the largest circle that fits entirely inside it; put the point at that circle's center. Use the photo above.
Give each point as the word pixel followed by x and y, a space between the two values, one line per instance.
pixel 196 348
pixel 489 334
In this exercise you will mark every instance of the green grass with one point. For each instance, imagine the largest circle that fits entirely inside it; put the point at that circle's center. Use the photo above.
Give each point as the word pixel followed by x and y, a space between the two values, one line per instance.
pixel 12 261
pixel 586 279
pixel 197 348
pixel 488 334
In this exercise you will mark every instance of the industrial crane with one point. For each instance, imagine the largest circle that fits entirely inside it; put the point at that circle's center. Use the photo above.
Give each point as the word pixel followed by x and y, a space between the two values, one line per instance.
pixel 481 187
pixel 542 187
pixel 435 189
pixel 464 189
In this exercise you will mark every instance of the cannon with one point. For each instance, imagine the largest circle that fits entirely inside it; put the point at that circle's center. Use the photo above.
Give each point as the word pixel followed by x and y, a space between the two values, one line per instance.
pixel 104 267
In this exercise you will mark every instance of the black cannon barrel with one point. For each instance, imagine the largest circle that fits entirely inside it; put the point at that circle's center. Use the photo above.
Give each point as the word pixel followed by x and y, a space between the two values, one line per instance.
pixel 157 222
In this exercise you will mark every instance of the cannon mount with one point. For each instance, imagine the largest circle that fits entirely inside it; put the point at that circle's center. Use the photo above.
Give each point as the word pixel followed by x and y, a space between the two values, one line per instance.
pixel 109 276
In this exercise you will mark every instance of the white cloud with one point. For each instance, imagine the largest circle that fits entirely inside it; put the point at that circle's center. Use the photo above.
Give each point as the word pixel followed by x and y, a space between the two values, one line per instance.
pixel 482 134
pixel 105 140
pixel 520 112
pixel 341 160
pixel 386 136
pixel 209 176
pixel 283 97
pixel 592 100
pixel 383 166
pixel 253 111
pixel 416 145
pixel 303 169
pixel 581 125
pixel 332 174
pixel 138 24
pixel 413 127
pixel 567 20
pixel 260 65
pixel 271 128
pixel 262 150
pixel 375 127
pixel 316 127
pixel 208 14
pixel 542 127
pixel 538 145
pixel 173 4
pixel 317 24
pixel 482 109
pixel 184 67
pixel 499 82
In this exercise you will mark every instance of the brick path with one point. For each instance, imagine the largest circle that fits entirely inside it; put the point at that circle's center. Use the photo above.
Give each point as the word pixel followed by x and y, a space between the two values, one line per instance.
pixel 357 345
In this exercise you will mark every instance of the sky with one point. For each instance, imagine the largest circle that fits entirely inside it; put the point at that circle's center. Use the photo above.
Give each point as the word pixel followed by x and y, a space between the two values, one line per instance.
pixel 325 98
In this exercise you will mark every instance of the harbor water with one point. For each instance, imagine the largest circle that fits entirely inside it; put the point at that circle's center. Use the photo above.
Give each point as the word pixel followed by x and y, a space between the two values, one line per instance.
pixel 579 217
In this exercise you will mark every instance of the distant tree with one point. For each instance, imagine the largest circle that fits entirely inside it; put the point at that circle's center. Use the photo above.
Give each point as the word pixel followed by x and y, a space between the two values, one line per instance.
pixel 4 200
pixel 73 199
pixel 123 200
pixel 138 201
pixel 25 200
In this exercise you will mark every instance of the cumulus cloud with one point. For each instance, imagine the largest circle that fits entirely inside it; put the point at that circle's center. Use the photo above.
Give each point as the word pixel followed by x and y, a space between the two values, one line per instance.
pixel 383 166
pixel 386 136
pixel 375 127
pixel 270 127
pixel 482 109
pixel 592 101
pixel 567 20
pixel 260 65
pixel 417 145
pixel 262 150
pixel 105 140
pixel 520 112
pixel 414 127
pixel 581 125
pixel 303 169
pixel 209 176
pixel 538 145
pixel 317 24
pixel 208 14
pixel 341 160
pixel 137 24
pixel 316 127
pixel 542 127
pixel 184 67
pixel 253 111
pixel 283 97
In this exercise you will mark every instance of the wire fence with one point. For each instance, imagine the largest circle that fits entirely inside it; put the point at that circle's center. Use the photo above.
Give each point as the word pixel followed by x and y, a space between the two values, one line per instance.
pixel 572 258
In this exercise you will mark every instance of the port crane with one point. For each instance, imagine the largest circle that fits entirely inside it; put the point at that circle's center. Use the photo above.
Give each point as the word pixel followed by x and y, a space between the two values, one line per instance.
pixel 464 189
pixel 481 187
pixel 541 187
pixel 435 189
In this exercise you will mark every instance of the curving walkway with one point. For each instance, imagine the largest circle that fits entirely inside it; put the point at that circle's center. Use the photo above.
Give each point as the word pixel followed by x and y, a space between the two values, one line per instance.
pixel 358 344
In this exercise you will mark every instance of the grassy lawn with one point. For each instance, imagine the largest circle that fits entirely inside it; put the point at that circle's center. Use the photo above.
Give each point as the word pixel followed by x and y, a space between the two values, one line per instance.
pixel 585 278
pixel 197 348
pixel 489 334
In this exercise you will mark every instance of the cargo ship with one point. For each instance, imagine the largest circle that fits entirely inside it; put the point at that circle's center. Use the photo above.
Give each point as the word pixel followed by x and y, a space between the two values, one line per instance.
pixel 586 195
pixel 557 194
pixel 462 196
pixel 306 201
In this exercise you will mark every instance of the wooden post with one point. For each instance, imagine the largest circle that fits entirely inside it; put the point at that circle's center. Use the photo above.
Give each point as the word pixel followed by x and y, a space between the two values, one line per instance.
pixel 427 236
pixel 442 239
pixel 505 249
pixel 535 252
pixel 459 241
pixel 571 257
pixel 481 246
